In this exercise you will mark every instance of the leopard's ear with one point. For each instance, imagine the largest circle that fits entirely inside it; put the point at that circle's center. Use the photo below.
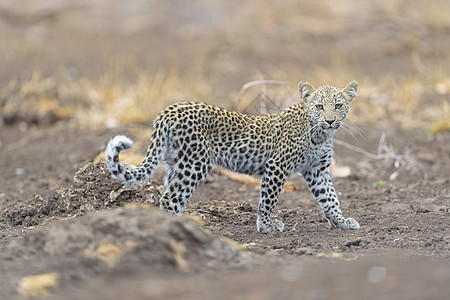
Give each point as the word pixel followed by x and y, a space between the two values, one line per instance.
pixel 350 91
pixel 306 90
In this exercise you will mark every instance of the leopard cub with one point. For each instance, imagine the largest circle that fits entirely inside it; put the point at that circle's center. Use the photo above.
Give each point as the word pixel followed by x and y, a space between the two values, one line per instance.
pixel 193 137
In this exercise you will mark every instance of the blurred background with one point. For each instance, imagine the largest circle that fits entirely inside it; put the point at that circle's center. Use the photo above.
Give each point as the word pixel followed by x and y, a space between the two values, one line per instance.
pixel 111 63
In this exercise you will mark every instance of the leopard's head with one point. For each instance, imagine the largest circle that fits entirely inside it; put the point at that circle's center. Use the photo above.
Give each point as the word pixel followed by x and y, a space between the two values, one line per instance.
pixel 327 105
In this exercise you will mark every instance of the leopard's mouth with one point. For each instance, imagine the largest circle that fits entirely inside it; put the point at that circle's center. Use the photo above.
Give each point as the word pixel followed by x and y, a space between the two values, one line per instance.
pixel 328 127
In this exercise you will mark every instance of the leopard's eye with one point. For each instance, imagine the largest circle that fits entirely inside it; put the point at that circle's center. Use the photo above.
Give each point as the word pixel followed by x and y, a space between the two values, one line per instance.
pixel 338 105
pixel 319 106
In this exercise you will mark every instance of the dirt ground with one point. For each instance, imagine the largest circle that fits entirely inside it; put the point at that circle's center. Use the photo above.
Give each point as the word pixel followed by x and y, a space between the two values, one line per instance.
pixel 83 236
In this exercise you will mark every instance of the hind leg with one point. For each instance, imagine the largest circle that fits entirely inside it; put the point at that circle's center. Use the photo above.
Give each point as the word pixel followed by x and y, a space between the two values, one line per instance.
pixel 180 182
pixel 170 186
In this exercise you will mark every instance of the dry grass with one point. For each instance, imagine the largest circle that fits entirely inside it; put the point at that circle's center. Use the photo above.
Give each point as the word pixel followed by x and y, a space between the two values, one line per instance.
pixel 111 101
pixel 114 102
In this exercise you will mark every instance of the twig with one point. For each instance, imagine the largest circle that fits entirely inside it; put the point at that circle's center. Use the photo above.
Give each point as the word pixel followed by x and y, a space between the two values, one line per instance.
pixel 357 149
pixel 263 94
pixel 387 152
pixel 252 181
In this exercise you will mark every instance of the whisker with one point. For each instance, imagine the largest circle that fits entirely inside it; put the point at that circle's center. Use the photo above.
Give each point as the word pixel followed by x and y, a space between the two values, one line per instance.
pixel 343 126
pixel 356 128
pixel 353 129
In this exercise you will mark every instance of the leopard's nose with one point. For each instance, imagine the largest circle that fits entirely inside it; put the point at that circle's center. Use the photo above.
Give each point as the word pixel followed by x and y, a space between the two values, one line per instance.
pixel 329 121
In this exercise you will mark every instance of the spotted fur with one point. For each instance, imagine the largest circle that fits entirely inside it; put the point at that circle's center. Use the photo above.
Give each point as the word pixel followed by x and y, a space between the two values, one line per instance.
pixel 193 137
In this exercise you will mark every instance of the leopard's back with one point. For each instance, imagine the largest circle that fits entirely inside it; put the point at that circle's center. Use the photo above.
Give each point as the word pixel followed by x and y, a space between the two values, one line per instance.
pixel 230 139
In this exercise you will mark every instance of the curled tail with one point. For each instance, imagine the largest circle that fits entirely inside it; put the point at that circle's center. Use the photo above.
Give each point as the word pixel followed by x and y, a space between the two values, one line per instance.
pixel 123 173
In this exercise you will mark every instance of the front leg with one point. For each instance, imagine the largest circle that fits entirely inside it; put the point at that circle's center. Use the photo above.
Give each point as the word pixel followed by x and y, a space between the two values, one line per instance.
pixel 272 183
pixel 320 184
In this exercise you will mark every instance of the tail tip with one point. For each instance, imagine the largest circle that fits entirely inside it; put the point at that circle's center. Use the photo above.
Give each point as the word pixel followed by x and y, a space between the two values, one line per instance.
pixel 121 141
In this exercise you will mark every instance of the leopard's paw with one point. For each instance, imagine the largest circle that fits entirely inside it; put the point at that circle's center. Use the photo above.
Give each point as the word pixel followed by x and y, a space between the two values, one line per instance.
pixel 349 223
pixel 269 226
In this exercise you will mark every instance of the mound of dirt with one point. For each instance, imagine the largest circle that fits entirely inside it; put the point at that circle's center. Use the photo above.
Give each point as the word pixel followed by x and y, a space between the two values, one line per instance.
pixel 95 243
pixel 92 190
